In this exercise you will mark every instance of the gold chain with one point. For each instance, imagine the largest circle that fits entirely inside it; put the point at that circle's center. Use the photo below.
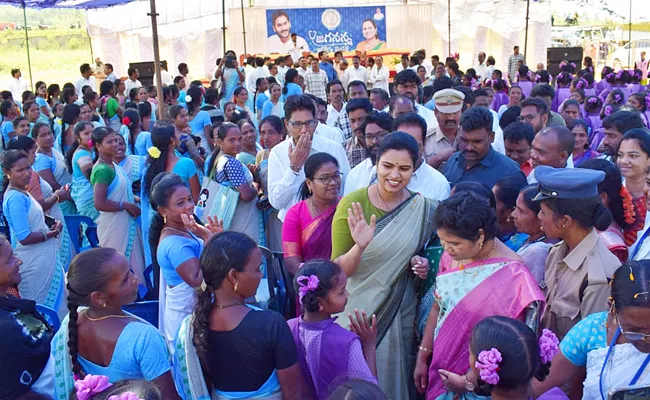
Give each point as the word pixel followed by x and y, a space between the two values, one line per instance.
pixel 105 317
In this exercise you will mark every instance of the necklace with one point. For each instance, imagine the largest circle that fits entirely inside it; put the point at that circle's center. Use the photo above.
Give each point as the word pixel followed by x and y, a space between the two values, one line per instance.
pixel 177 230
pixel 401 195
pixel 228 305
pixel 461 264
pixel 105 317
pixel 23 191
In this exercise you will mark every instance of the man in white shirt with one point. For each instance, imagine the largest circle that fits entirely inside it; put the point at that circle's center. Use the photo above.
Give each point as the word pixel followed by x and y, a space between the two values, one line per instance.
pixel 322 129
pixel 284 41
pixel 379 99
pixel 132 82
pixel 336 96
pixel 86 79
pixel 260 72
pixel 17 85
pixel 404 64
pixel 316 80
pixel 552 146
pixel 287 159
pixel 406 83
pixel 166 77
pixel 379 75
pixel 357 72
pixel 481 68
pixel 344 66
pixel 184 71
pixel 302 69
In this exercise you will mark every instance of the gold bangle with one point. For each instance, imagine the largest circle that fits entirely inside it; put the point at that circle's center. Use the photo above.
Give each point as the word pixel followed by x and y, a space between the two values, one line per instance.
pixel 424 349
pixel 58 199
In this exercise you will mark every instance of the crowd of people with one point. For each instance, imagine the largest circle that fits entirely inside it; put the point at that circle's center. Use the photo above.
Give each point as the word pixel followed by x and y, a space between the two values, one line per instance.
pixel 449 234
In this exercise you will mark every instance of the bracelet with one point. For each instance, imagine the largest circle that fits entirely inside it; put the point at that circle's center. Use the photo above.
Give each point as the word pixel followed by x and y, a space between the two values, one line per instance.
pixel 44 236
pixel 424 349
pixel 121 206
pixel 58 199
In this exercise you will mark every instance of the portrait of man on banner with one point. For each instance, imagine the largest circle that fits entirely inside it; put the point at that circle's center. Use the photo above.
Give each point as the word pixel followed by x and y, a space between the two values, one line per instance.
pixel 283 41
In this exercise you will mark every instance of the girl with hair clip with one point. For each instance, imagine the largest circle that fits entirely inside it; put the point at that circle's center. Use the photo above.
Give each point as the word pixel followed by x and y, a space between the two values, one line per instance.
pixel 99 388
pixel 131 129
pixel 612 346
pixel 228 349
pixel 307 228
pixel 590 90
pixel 506 356
pixel 578 87
pixel 259 98
pixel 274 105
pixel 543 77
pixel 176 242
pixel 117 227
pixel 639 102
pixel 80 161
pixel 597 135
pixel 500 94
pixel 198 120
pixel 623 79
pixel 610 84
pixel 618 200
pixel 99 343
pixel 562 90
pixel 635 81
pixel 224 168
pixel 524 81
pixel 37 244
pixel 329 353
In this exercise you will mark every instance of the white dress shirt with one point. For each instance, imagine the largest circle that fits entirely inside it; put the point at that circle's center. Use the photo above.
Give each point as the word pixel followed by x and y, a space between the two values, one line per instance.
pixel 275 45
pixel 426 180
pixel 357 74
pixel 427 66
pixel 428 115
pixel 481 70
pixel 303 71
pixel 329 132
pixel 81 82
pixel 498 144
pixel 399 68
pixel 168 79
pixel 531 177
pixel 284 184
pixel 17 87
pixel 129 84
pixel 333 114
pixel 379 78
pixel 259 72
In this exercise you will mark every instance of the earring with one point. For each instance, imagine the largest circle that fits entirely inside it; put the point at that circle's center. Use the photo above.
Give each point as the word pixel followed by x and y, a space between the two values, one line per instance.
pixel 164 219
pixel 236 286
pixel 104 305
pixel 480 245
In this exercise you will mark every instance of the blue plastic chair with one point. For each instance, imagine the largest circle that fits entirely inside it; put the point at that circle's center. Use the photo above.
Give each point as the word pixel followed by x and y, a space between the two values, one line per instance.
pixel 50 316
pixel 282 294
pixel 147 310
pixel 4 230
pixel 74 224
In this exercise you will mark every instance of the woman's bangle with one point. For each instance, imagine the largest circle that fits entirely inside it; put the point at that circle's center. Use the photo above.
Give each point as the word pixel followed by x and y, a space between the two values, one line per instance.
pixel 121 206
pixel 58 199
pixel 424 349
pixel 44 236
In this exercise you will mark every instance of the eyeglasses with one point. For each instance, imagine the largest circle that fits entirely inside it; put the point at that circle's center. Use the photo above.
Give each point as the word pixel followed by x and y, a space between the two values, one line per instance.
pixel 376 136
pixel 527 118
pixel 632 336
pixel 298 125
pixel 327 180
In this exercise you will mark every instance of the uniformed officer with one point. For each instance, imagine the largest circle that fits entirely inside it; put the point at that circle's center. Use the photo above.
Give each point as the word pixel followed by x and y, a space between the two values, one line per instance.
pixel 579 267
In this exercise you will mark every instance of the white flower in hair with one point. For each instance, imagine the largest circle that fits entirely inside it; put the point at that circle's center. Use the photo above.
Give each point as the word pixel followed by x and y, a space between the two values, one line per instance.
pixel 188 99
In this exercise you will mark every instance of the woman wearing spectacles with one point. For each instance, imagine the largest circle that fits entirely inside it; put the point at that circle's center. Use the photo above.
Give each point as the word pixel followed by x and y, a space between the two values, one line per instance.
pixel 307 229
pixel 613 346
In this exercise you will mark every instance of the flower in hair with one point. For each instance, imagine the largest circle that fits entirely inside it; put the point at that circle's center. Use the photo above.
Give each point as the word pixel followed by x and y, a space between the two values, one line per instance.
pixel 573 65
pixel 188 99
pixel 488 365
pixel 126 121
pixel 90 144
pixel 538 78
pixel 563 64
pixel 91 385
pixel 608 110
pixel 609 75
pixel 154 152
pixel 306 284
pixel 617 97
pixel 125 396
pixel 628 205
pixel 549 345
pixel 619 74
pixel 592 100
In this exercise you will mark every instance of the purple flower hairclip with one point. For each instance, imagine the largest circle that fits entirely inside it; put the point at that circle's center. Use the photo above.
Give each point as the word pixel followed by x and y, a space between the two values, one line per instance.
pixel 563 64
pixel 607 110
pixel 494 82
pixel 592 100
pixel 91 385
pixel 488 365
pixel 306 284
pixel 609 76
pixel 617 97
pixel 549 346
pixel 538 78
pixel 573 65
pixel 619 74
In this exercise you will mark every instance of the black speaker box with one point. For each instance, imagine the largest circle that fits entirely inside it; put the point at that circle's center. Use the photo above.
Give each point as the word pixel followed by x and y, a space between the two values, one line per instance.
pixel 555 55
pixel 147 72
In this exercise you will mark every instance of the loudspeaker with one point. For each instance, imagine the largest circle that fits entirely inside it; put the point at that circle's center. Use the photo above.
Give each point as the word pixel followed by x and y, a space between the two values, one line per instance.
pixel 555 55
pixel 147 72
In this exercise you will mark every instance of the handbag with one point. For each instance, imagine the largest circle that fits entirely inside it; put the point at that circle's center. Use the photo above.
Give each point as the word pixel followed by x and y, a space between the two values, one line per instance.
pixel 217 199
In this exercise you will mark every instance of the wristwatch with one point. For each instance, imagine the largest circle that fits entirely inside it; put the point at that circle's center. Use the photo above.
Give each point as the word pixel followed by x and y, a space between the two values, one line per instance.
pixel 468 385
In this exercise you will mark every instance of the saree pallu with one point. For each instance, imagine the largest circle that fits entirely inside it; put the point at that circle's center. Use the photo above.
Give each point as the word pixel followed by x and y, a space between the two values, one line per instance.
pixel 384 285
pixel 63 177
pixel 316 237
pixel 230 79
pixel 188 375
pixel 272 224
pixel 63 377
pixel 622 364
pixel 66 247
pixel 119 230
pixel 614 240
pixel 484 289
pixel 42 272
pixel 174 304
pixel 82 192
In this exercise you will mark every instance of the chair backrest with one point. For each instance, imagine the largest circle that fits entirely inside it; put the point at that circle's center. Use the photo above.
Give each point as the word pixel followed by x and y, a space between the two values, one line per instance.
pixel 74 225
pixel 147 310
pixel 50 316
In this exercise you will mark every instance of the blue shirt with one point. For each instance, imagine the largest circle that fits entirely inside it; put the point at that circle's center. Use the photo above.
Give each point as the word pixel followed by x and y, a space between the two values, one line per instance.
pixel 142 143
pixel 587 335
pixel 7 128
pixel 268 108
pixel 200 120
pixel 140 353
pixel 292 88
pixel 44 162
pixel 488 171
pixel 259 101
pixel 15 208
pixel 329 69
pixel 173 251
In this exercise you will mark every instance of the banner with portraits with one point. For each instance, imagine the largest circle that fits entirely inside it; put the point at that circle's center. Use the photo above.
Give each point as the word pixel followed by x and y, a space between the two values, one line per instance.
pixel 298 30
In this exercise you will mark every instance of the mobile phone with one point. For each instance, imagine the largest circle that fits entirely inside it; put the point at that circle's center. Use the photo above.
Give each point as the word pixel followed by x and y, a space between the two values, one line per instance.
pixel 49 221
pixel 638 392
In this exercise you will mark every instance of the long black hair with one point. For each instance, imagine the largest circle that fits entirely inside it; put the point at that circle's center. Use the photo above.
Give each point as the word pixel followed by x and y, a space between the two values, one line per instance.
pixel 631 285
pixel 312 165
pixel 161 135
pixel 9 159
pixel 85 276
pixel 289 77
pixel 134 122
pixel 195 92
pixel 611 185
pixel 163 186
pixel 222 253
pixel 327 273
pixel 258 82
pixel 78 128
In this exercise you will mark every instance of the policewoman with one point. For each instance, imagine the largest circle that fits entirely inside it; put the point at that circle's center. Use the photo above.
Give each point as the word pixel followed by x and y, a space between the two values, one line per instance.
pixel 577 268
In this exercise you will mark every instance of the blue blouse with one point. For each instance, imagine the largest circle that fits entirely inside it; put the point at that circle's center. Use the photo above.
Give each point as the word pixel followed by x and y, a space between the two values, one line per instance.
pixel 259 101
pixel 140 353
pixel 201 120
pixel 173 251
pixel 292 88
pixel 588 334
pixel 185 168
pixel 15 207
pixel 142 143
pixel 43 162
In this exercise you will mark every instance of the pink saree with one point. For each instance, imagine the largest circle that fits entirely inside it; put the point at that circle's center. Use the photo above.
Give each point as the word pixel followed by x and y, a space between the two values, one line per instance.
pixel 497 286
pixel 305 236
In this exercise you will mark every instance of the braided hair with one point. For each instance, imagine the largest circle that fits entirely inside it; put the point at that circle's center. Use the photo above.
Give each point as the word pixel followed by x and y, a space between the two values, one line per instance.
pixel 161 135
pixel 134 123
pixel 85 276
pixel 222 253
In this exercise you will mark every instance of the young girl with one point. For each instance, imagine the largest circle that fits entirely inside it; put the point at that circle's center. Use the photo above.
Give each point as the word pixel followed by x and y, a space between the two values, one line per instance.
pixel 616 97
pixel 259 98
pixel 524 81
pixel 606 75
pixel 635 81
pixel 593 106
pixel 273 106
pixel 590 90
pixel 500 94
pixel 543 77
pixel 328 352
pixel 505 356
pixel 598 135
pixel 562 90
pixel 623 79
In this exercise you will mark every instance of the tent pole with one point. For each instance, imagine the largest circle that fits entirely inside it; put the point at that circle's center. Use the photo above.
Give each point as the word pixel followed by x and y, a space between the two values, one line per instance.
pixel 223 26
pixel 526 35
pixel 629 39
pixel 29 59
pixel 162 107
pixel 90 42
pixel 449 26
pixel 243 24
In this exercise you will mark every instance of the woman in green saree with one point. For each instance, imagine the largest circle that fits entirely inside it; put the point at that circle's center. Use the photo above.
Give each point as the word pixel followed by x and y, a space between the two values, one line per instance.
pixel 376 257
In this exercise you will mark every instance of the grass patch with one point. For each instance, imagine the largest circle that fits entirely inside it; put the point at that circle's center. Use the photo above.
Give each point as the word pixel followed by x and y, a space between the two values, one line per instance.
pixel 49 66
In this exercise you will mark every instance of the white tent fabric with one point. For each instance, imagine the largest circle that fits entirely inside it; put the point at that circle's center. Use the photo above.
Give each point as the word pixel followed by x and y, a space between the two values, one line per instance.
pixel 190 30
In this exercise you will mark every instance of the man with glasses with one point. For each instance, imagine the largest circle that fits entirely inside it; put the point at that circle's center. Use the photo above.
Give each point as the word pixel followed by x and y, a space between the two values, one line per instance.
pixel 407 83
pixel 375 127
pixel 534 112
pixel 546 93
pixel 441 141
pixel 287 159
pixel 355 147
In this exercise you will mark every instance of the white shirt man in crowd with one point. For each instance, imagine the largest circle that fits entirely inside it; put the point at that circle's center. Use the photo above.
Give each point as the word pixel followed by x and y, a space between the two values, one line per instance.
pixel 357 72
pixel 356 90
pixel 406 83
pixel 284 41
pixel 260 71
pixel 86 79
pixel 167 78
pixel 287 159
pixel 184 71
pixel 481 68
pixel 17 85
pixel 303 69
pixel 336 97
pixel 322 129
pixel 379 75
pixel 132 82
pixel 316 80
